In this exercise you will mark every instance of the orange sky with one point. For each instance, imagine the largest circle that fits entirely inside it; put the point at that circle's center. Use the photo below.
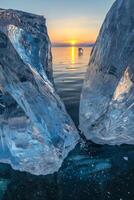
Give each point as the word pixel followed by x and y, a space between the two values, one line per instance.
pixel 67 20
pixel 81 30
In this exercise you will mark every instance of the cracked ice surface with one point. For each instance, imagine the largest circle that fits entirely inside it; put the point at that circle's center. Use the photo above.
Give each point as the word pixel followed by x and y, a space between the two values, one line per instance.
pixel 36 131
pixel 107 100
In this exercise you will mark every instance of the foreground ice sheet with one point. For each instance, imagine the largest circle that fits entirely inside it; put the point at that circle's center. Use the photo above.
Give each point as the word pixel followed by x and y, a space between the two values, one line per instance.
pixel 107 100
pixel 36 133
pixel 91 172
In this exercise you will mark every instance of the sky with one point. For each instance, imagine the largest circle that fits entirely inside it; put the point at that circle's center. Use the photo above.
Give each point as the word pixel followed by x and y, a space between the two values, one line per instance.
pixel 68 21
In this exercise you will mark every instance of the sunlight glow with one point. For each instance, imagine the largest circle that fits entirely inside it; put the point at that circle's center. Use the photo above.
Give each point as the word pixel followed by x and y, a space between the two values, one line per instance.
pixel 73 42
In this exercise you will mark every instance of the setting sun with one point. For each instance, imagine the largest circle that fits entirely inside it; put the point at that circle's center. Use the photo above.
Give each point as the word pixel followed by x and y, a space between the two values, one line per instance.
pixel 73 42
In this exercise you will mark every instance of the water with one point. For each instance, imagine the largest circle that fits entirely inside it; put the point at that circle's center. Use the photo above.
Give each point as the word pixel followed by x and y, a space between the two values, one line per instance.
pixel 69 72
pixel 90 172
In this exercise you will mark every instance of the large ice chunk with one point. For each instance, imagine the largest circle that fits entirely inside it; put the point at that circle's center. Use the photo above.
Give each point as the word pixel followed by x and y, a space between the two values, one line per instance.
pixel 107 100
pixel 28 34
pixel 36 133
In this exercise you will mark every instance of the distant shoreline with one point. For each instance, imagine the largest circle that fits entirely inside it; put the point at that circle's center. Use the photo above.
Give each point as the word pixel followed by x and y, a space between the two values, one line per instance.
pixel 77 45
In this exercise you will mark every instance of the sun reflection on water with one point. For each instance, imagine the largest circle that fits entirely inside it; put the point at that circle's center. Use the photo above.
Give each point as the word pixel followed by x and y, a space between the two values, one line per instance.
pixel 73 55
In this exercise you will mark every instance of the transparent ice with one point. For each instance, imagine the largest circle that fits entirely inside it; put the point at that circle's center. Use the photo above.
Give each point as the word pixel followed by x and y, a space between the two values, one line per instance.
pixel 36 133
pixel 107 100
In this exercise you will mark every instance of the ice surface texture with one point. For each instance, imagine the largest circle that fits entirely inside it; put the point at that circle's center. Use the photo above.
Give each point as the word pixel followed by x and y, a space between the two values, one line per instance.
pixel 28 34
pixel 107 100
pixel 36 133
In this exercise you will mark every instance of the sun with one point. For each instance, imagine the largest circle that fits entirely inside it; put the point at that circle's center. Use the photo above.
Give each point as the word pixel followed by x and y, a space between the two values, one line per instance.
pixel 73 42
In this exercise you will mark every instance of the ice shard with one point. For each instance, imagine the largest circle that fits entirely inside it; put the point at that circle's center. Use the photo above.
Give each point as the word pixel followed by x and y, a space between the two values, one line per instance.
pixel 28 34
pixel 107 100
pixel 36 133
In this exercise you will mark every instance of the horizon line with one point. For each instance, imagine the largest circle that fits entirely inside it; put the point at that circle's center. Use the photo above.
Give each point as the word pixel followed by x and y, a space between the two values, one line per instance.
pixel 70 45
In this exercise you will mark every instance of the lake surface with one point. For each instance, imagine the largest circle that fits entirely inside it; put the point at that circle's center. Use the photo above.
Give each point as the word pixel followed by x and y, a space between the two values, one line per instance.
pixel 90 172
pixel 69 72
